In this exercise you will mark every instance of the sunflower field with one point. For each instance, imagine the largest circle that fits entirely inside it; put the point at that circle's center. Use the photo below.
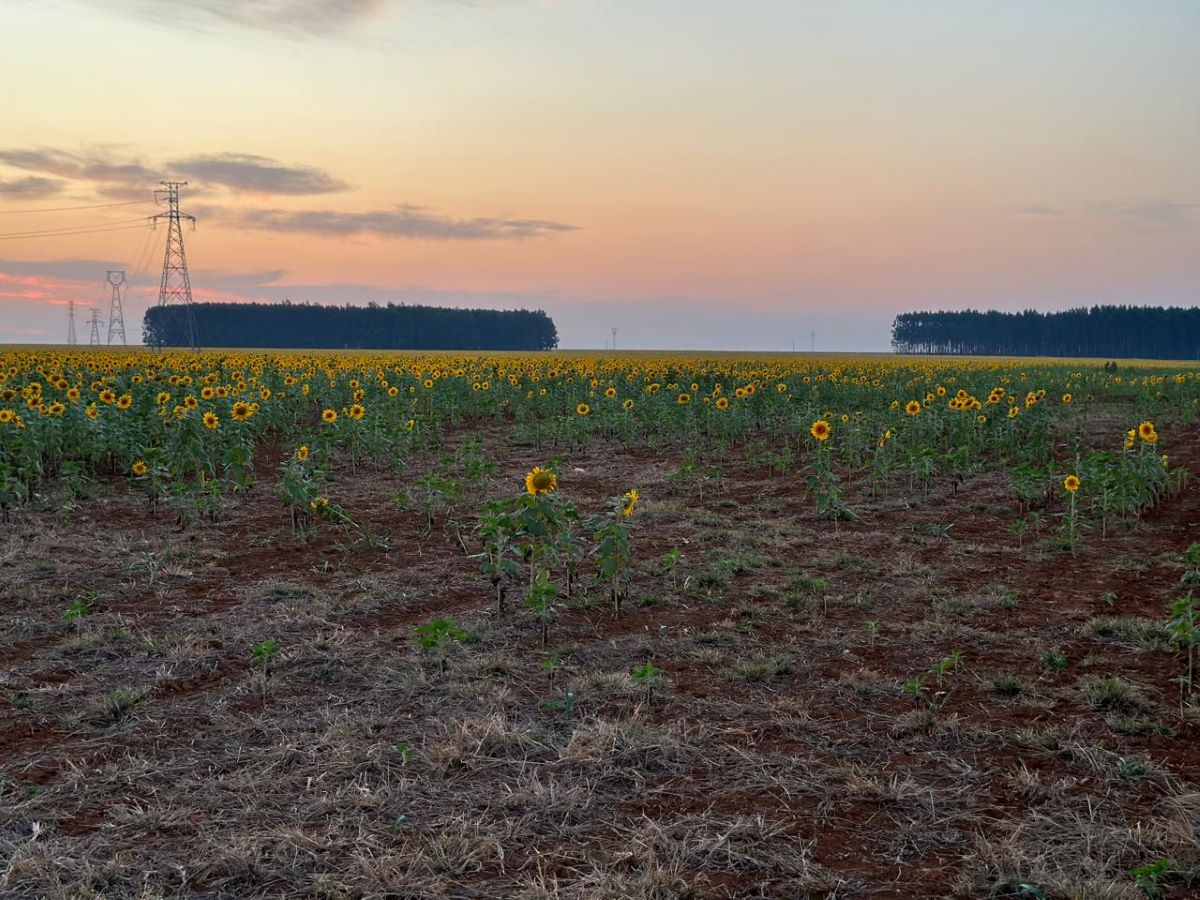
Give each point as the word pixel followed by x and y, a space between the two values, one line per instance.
pixel 580 625
pixel 191 427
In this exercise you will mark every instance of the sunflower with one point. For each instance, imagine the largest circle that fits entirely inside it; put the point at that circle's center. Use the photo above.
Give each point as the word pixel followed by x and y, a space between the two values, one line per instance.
pixel 73 394
pixel 1071 484
pixel 427 383
pixel 207 393
pixel 1066 399
pixel 913 407
pixel 190 402
pixel 6 416
pixel 1014 411
pixel 1147 433
pixel 91 412
pixel 820 430
pixel 302 452
pixel 329 416
pixel 541 481
pixel 357 411
pixel 124 401
pixel 610 392
pixel 163 398
pixel 583 409
pixel 107 396
pixel 627 404
pixel 683 399
pixel 629 502
pixel 139 468
pixel 393 391
pixel 722 403
pixel 242 411
pixel 211 422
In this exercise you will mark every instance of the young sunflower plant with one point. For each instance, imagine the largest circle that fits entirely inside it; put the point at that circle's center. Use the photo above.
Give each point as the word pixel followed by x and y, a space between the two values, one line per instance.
pixel 613 553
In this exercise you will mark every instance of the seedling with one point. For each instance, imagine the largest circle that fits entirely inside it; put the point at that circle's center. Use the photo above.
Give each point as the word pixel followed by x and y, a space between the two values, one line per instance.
pixel 649 676
pixel 434 637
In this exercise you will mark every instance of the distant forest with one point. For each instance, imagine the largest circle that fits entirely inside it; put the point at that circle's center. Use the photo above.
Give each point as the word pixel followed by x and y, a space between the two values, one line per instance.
pixel 372 327
pixel 1136 332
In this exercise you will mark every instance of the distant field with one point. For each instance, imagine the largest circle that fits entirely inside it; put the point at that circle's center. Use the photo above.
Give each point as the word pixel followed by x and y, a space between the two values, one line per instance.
pixel 597 625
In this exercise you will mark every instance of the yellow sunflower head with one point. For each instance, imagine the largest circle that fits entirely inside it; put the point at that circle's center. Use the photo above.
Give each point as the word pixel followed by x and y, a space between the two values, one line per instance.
pixel 820 430
pixel 329 416
pixel 139 468
pixel 913 407
pixel 1071 484
pixel 629 502
pixel 583 409
pixel 541 481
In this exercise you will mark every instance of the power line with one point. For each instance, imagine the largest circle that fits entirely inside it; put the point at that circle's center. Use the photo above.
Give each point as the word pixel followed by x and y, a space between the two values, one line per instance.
pixel 38 232
pixel 19 212
pixel 23 237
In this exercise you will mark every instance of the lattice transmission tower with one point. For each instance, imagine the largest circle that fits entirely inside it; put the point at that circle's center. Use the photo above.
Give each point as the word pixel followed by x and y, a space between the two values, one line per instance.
pixel 116 315
pixel 176 286
pixel 71 339
pixel 94 338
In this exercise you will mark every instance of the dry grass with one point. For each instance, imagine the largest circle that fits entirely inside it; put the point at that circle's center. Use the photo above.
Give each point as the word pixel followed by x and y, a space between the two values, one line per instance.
pixel 144 755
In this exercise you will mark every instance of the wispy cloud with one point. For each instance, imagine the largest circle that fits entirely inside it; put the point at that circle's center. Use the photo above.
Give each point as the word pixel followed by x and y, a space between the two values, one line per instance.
pixel 118 172
pixel 1157 215
pixel 32 186
pixel 301 18
pixel 405 222
pixel 257 174
pixel 101 167
pixel 1039 209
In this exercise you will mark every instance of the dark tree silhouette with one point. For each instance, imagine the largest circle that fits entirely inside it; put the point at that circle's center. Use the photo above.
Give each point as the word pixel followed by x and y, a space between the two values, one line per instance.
pixel 1131 332
pixel 371 327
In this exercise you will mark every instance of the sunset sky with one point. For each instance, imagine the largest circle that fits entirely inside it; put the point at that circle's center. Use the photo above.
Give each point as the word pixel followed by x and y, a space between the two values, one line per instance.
pixel 708 174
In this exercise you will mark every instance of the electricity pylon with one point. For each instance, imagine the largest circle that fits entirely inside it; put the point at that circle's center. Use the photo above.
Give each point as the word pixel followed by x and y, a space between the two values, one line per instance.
pixel 71 339
pixel 176 286
pixel 94 339
pixel 116 315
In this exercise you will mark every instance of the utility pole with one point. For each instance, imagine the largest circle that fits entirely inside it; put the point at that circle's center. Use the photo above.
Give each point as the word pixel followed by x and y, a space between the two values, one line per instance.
pixel 116 315
pixel 71 339
pixel 614 340
pixel 176 286
pixel 812 339
pixel 94 340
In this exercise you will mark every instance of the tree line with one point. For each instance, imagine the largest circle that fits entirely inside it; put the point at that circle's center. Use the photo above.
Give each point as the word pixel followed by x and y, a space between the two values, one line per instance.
pixel 370 327
pixel 1136 332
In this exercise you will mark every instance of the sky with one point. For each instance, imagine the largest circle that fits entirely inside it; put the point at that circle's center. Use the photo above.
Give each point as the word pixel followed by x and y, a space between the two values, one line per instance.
pixel 698 174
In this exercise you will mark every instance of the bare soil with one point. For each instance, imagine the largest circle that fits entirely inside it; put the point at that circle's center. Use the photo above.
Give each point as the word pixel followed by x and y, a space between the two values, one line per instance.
pixel 142 754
